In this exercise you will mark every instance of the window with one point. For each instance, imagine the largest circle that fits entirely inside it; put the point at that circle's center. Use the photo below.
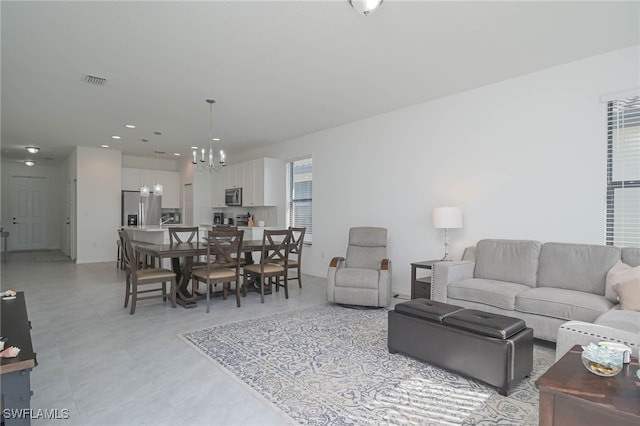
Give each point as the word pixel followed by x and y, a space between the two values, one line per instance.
pixel 299 195
pixel 623 172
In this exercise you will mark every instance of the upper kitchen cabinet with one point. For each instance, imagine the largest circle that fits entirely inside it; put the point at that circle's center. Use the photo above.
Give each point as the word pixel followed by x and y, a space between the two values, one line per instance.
pixel 133 179
pixel 218 182
pixel 263 182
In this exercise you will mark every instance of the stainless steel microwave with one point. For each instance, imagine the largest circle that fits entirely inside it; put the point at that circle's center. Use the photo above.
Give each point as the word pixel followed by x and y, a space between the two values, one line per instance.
pixel 233 197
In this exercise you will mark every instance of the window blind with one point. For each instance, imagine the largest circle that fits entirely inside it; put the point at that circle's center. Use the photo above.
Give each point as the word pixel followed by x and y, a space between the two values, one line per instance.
pixel 623 172
pixel 300 195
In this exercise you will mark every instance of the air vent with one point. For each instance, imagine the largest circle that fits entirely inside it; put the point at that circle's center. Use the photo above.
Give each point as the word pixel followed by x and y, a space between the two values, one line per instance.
pixel 95 80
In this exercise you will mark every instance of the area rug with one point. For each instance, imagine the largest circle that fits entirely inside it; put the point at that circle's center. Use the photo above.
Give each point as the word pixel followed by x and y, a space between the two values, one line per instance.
pixel 329 365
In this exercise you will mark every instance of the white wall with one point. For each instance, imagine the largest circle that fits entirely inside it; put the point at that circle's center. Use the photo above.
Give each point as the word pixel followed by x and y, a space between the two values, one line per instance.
pixel 524 158
pixel 98 206
pixel 55 192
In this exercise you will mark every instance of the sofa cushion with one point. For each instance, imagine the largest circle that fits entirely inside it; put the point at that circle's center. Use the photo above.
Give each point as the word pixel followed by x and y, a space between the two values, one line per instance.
pixel 621 320
pixel 499 294
pixel 514 261
pixel 579 267
pixel 631 255
pixel 562 303
pixel 629 294
pixel 618 273
pixel 356 277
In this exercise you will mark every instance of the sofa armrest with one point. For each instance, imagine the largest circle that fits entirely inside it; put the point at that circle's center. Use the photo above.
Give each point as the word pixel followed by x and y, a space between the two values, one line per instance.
pixel 384 283
pixel 582 333
pixel 335 264
pixel 445 273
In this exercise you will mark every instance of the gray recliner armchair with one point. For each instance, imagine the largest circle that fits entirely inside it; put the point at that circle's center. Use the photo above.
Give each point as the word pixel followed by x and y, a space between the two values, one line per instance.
pixel 364 277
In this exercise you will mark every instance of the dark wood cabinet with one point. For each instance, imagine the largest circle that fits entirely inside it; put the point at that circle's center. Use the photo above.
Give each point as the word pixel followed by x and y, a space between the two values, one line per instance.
pixel 421 286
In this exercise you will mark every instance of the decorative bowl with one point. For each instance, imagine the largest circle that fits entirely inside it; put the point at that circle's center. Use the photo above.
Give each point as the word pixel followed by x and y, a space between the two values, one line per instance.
pixel 602 361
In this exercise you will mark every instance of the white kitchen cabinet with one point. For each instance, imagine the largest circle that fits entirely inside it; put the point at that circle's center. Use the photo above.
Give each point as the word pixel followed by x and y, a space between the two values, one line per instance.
pixel 133 179
pixel 264 182
pixel 218 182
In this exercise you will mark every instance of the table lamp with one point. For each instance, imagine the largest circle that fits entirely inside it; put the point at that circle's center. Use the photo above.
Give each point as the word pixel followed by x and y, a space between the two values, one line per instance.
pixel 447 218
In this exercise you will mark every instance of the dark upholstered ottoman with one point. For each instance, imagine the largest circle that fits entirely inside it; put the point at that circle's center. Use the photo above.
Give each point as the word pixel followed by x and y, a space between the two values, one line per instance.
pixel 495 349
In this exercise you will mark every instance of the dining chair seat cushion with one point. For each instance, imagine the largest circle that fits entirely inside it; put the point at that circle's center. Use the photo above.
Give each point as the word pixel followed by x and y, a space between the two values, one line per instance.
pixel 269 268
pixel 215 273
pixel 154 274
pixel 291 262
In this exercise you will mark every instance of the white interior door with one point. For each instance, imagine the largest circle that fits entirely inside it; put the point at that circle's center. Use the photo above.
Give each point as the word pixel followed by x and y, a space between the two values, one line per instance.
pixel 187 217
pixel 73 221
pixel 65 240
pixel 29 218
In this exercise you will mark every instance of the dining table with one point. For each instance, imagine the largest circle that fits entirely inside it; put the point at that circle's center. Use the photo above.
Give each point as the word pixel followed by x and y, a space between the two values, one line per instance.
pixel 182 255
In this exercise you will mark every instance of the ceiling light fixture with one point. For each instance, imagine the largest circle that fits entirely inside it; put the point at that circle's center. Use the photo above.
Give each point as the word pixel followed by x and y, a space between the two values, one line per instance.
pixel 33 149
pixel 115 137
pixel 209 164
pixel 104 145
pixel 365 7
pixel 29 163
pixel 130 126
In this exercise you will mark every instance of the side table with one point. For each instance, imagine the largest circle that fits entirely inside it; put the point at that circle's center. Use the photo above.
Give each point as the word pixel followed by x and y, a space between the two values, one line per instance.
pixel 571 395
pixel 421 286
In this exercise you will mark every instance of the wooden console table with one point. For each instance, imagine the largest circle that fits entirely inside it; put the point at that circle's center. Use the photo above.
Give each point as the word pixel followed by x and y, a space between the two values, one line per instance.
pixel 16 386
pixel 571 395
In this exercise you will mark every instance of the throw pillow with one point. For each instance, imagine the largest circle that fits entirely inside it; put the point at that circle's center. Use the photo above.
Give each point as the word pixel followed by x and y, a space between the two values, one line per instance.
pixel 629 294
pixel 618 273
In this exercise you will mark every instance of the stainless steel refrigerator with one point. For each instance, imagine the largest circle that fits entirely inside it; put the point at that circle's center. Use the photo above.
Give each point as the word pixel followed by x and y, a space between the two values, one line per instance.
pixel 140 211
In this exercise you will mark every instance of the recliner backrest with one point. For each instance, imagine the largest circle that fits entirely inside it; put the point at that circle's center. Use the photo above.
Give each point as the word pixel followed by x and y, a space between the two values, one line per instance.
pixel 367 247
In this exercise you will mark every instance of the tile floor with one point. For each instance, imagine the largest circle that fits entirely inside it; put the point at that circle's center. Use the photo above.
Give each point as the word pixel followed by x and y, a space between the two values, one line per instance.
pixel 111 368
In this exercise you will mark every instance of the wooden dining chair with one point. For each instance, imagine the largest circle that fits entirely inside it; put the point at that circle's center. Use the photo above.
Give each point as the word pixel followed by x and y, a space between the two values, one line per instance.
pixel 295 253
pixel 273 264
pixel 137 276
pixel 183 234
pixel 222 263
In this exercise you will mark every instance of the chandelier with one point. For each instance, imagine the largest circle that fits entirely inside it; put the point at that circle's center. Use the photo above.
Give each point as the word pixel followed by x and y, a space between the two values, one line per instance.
pixel 207 161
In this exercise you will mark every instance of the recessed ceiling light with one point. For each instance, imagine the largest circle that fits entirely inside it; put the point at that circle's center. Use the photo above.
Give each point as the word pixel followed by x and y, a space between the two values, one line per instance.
pixel 30 163
pixel 215 139
pixel 144 140
pixel 104 145
pixel 194 147
pixel 157 133
pixel 33 149
pixel 115 137
pixel 177 154
pixel 130 126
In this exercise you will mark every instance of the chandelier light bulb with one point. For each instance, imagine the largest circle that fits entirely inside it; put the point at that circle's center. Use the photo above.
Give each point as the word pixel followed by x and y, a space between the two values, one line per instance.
pixel 365 7
pixel 33 149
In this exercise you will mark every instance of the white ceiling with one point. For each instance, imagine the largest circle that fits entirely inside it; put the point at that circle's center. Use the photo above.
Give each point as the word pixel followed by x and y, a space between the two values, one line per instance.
pixel 277 69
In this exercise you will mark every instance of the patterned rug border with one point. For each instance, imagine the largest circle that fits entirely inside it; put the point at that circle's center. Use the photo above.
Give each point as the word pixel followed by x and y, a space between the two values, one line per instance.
pixel 182 336
pixel 493 410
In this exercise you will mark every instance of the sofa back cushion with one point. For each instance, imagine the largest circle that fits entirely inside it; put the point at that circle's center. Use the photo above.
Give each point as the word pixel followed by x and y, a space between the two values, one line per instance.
pixel 631 256
pixel 367 247
pixel 581 267
pixel 513 261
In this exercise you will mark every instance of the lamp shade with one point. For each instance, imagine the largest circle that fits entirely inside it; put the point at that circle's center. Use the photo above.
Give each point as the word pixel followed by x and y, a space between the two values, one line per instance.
pixel 447 217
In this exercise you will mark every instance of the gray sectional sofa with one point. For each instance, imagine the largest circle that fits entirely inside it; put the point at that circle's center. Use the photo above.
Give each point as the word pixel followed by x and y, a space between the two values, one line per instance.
pixel 558 289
